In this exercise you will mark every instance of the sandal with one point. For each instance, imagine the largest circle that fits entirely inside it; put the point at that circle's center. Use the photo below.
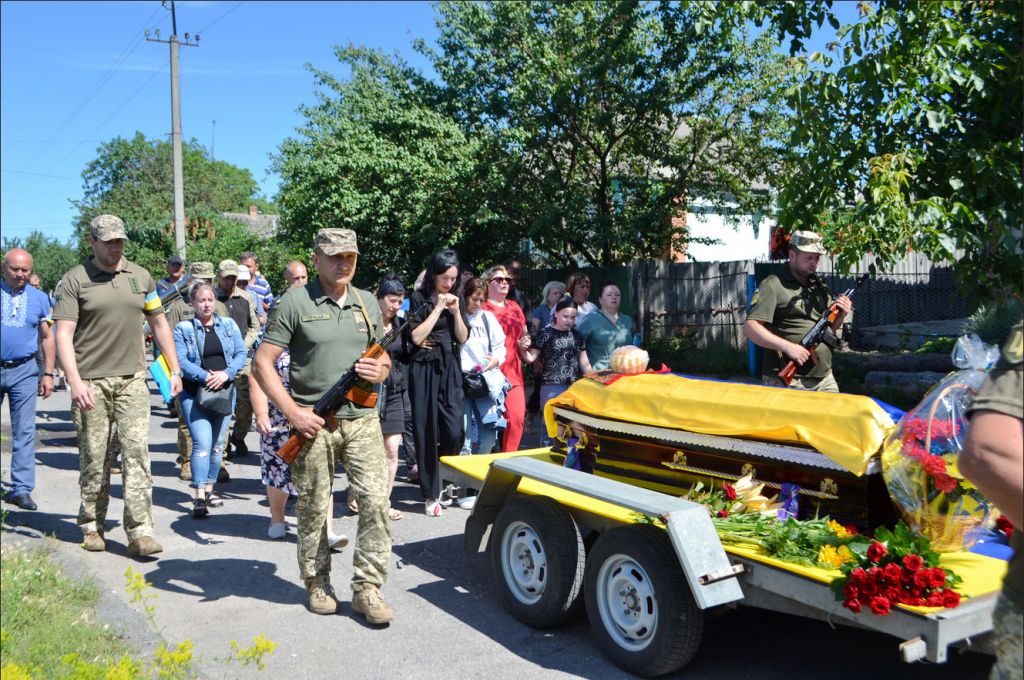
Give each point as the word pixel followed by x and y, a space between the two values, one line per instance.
pixel 353 506
pixel 394 514
pixel 214 500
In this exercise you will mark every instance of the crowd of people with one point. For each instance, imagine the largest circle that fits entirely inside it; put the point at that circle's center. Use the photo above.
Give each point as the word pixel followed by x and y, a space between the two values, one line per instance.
pixel 451 382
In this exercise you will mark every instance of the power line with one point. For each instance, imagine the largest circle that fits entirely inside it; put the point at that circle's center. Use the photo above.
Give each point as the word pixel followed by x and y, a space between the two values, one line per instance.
pixel 214 22
pixel 91 94
pixel 37 174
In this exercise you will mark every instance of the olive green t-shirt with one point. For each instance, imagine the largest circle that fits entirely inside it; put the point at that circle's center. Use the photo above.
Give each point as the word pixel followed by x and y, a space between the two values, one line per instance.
pixel 109 309
pixel 1003 392
pixel 324 340
pixel 790 309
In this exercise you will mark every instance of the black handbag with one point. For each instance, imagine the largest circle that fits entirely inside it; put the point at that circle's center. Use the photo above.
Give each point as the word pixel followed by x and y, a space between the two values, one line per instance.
pixel 473 385
pixel 219 401
pixel 216 401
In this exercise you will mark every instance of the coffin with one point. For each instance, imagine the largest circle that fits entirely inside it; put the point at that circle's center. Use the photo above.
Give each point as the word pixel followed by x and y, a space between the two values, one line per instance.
pixel 666 432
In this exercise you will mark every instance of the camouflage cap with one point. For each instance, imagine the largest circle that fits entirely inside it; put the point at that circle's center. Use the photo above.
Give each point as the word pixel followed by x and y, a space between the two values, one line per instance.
pixel 201 270
pixel 807 242
pixel 227 268
pixel 107 228
pixel 336 241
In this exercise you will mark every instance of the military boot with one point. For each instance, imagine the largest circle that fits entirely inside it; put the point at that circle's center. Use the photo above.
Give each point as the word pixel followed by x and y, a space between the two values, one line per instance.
pixel 144 546
pixel 93 542
pixel 371 604
pixel 320 596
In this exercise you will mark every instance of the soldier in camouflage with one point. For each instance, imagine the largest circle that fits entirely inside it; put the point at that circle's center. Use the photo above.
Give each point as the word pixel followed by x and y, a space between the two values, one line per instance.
pixel 326 326
pixel 100 308
pixel 993 458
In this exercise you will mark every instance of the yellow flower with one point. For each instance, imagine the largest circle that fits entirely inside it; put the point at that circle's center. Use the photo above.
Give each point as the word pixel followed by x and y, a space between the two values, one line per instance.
pixel 829 557
pixel 838 529
pixel 845 553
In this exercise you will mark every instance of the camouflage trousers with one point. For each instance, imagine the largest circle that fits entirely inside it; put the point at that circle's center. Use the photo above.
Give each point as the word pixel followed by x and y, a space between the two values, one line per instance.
pixel 1008 640
pixel 123 400
pixel 360 446
pixel 243 405
pixel 826 383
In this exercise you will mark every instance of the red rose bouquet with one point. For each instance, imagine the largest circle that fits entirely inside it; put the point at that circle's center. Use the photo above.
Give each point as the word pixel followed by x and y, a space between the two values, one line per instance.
pixel 894 567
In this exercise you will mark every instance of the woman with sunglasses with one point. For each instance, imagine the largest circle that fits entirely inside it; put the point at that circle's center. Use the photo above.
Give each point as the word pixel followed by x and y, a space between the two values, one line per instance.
pixel 513 322
pixel 435 372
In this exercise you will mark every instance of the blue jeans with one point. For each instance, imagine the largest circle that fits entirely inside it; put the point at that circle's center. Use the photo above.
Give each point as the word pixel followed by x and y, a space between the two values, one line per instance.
pixel 548 392
pixel 22 383
pixel 209 431
pixel 487 435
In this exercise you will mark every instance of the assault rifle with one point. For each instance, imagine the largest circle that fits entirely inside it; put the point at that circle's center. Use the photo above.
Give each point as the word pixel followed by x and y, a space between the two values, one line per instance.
pixel 822 332
pixel 175 291
pixel 349 387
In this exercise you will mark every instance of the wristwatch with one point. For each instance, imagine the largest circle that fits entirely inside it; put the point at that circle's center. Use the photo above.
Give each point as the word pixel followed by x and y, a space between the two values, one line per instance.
pixel 51 374
pixel 176 373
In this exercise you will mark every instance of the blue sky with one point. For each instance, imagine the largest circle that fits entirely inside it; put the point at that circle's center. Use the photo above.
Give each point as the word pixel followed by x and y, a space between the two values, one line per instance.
pixel 76 74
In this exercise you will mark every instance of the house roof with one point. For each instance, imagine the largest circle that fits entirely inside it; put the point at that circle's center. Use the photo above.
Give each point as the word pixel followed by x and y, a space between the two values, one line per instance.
pixel 263 226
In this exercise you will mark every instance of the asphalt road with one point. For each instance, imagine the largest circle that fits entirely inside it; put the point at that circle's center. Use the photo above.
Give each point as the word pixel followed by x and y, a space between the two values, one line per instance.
pixel 222 579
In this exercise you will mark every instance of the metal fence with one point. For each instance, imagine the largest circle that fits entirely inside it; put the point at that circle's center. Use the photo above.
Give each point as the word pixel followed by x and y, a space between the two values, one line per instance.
pixel 706 302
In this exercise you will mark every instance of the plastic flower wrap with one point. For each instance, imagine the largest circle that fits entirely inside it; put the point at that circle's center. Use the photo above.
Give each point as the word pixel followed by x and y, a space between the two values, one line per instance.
pixel 919 459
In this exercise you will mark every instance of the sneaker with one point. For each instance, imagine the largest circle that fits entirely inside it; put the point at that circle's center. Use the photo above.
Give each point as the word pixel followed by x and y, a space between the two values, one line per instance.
pixel 115 467
pixel 223 475
pixel 185 473
pixel 214 500
pixel 336 541
pixel 320 598
pixel 277 530
pixel 432 508
pixel 144 546
pixel 199 508
pixel 467 503
pixel 370 604
pixel 93 542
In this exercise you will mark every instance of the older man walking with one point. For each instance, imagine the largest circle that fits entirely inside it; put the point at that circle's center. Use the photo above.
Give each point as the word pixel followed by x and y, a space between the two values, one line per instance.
pixel 25 325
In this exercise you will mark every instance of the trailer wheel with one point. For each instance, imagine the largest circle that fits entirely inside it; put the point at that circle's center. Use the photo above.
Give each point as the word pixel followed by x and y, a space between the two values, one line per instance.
pixel 538 559
pixel 638 602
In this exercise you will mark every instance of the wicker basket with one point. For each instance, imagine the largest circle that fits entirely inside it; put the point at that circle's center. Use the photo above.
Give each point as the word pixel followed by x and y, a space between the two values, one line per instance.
pixel 947 533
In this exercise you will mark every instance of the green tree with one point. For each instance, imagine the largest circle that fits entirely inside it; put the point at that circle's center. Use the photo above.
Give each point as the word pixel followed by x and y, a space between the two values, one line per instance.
pixel 133 179
pixel 908 132
pixel 50 258
pixel 377 155
pixel 606 120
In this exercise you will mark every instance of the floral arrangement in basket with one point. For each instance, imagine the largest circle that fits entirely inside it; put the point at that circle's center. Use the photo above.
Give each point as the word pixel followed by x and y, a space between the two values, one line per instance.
pixel 919 463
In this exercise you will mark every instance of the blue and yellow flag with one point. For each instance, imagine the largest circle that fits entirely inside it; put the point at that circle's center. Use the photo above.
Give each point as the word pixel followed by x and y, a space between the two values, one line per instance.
pixel 161 374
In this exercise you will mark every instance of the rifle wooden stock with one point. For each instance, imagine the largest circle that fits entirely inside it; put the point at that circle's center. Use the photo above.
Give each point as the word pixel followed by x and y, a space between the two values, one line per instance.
pixel 813 337
pixel 349 387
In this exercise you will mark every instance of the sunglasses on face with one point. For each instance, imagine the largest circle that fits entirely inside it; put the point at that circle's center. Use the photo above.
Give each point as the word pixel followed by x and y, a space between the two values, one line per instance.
pixel 501 279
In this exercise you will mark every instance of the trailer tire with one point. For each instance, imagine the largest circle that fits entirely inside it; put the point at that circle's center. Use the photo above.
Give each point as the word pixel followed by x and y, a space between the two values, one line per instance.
pixel 538 559
pixel 638 602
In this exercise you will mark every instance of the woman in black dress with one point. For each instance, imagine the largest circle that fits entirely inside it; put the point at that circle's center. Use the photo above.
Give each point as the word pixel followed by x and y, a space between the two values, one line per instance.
pixel 435 373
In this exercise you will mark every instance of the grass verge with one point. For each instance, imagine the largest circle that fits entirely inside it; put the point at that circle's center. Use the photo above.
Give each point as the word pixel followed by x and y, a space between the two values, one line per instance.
pixel 47 619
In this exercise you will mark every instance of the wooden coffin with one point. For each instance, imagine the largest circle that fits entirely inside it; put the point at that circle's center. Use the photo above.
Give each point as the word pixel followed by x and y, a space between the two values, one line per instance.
pixel 671 461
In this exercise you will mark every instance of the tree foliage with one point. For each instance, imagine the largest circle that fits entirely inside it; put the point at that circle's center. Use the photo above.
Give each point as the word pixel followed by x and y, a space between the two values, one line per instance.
pixel 609 118
pixel 133 179
pixel 583 127
pixel 50 257
pixel 908 132
pixel 377 154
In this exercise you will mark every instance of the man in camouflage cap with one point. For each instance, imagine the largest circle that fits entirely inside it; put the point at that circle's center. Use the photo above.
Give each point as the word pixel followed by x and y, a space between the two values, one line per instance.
pixel 326 326
pixel 787 305
pixel 181 310
pixel 993 458
pixel 101 305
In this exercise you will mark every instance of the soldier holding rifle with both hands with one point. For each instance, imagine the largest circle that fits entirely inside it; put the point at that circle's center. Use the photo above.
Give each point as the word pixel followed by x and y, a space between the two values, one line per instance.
pixel 327 325
pixel 786 306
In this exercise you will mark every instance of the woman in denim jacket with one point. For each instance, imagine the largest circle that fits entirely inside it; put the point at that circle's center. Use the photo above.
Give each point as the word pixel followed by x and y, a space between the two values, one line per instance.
pixel 210 359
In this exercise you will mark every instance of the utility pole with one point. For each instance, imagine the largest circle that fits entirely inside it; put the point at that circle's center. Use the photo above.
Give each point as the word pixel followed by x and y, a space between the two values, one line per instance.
pixel 179 187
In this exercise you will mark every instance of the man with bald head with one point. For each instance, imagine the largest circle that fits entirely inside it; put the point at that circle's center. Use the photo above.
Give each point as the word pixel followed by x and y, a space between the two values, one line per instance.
pixel 296 274
pixel 25 325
